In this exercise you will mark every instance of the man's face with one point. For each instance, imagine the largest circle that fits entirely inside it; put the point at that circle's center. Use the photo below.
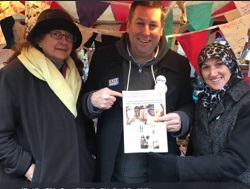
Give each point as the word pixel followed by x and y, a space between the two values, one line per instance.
pixel 145 30
pixel 137 112
pixel 151 112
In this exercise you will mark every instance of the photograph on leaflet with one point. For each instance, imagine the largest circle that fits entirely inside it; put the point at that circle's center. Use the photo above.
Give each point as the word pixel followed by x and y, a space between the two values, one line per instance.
pixel 141 132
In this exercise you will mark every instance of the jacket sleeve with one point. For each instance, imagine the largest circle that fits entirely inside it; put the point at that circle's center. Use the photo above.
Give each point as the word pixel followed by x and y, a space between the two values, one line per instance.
pixel 14 159
pixel 186 100
pixel 185 105
pixel 91 85
pixel 232 163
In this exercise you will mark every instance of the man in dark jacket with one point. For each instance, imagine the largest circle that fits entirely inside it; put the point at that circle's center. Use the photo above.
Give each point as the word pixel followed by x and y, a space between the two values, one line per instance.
pixel 134 62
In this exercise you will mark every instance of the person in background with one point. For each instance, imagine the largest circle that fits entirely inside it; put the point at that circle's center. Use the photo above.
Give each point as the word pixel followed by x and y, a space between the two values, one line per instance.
pixel 134 63
pixel 218 150
pixel 44 136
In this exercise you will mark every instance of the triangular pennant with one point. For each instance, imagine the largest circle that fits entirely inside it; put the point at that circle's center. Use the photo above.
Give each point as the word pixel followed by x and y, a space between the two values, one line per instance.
pixel 23 12
pixel 243 7
pixel 229 6
pixel 120 13
pixel 108 16
pixel 89 11
pixel 69 7
pixel 55 5
pixel 235 33
pixel 86 33
pixel 232 15
pixel 9 8
pixel 7 29
pixel 32 11
pixel 212 37
pixel 195 13
pixel 18 31
pixel 192 45
pixel 2 39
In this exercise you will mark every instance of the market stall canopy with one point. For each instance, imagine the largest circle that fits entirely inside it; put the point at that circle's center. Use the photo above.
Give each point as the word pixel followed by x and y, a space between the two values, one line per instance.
pixel 108 18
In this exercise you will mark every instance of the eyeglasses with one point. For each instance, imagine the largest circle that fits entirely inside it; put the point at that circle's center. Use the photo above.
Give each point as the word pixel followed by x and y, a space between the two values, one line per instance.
pixel 59 35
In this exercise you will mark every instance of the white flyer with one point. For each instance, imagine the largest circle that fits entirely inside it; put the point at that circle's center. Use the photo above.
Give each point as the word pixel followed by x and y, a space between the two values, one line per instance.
pixel 141 133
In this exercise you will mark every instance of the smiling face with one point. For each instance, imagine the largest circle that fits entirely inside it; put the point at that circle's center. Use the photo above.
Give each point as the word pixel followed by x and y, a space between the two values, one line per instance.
pixel 56 50
pixel 215 73
pixel 145 30
pixel 151 112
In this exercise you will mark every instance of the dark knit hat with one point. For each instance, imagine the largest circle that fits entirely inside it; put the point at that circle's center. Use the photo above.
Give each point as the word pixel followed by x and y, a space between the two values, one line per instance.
pixel 52 19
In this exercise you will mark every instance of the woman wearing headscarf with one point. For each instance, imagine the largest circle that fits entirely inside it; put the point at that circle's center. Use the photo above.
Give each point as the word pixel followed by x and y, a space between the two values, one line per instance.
pixel 218 149
pixel 44 137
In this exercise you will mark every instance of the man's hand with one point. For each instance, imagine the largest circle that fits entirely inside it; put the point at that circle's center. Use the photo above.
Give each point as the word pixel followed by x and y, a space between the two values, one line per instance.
pixel 173 121
pixel 104 98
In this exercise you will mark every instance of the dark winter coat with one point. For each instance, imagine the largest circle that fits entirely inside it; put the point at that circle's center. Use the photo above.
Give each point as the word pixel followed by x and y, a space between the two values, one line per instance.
pixel 36 127
pixel 219 144
pixel 225 136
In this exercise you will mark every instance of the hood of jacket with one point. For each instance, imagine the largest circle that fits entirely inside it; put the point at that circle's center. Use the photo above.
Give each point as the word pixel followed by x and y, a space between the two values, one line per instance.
pixel 122 49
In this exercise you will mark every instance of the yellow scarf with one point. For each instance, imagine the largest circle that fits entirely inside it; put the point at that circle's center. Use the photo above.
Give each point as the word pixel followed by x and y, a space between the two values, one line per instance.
pixel 67 89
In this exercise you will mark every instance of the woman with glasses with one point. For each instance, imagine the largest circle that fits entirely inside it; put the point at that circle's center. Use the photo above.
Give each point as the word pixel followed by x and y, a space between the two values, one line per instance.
pixel 44 137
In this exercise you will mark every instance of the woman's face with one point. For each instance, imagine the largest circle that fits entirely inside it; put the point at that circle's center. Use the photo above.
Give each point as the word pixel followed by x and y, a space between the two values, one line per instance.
pixel 215 73
pixel 54 48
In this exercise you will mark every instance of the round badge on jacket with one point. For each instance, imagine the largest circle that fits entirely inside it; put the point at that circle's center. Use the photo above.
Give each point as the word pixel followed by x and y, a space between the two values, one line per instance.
pixel 160 83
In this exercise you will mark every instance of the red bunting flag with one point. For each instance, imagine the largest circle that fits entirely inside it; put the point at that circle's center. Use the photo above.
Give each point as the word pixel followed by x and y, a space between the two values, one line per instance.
pixel 192 45
pixel 226 8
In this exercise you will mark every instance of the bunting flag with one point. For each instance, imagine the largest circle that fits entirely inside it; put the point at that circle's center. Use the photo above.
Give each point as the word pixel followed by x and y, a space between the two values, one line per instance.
pixel 192 45
pixel 116 11
pixel 121 13
pixel 109 26
pixel 219 14
pixel 243 7
pixel 86 34
pixel 32 11
pixel 195 13
pixel 235 33
pixel 2 39
pixel 18 32
pixel 7 30
pixel 9 8
pixel 212 36
pixel 232 15
pixel 89 11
